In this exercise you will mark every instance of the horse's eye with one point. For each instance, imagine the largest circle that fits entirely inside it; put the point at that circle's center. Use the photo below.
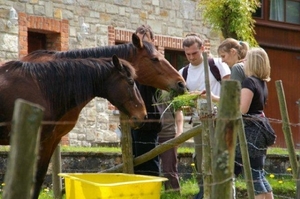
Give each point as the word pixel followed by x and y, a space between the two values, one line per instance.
pixel 155 59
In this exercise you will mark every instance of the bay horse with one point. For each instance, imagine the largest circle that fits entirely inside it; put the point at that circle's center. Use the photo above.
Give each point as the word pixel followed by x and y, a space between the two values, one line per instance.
pixel 151 67
pixel 63 87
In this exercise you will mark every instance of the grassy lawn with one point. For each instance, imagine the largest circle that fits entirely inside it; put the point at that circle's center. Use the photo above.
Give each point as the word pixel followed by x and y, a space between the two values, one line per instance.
pixel 272 150
pixel 277 151
pixel 283 188
pixel 283 185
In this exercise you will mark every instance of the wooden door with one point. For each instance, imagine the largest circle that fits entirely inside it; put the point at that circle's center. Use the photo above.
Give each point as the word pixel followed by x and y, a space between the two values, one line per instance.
pixel 285 66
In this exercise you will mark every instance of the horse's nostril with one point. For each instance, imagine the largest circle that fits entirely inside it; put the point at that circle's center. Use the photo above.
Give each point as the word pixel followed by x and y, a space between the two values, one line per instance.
pixel 180 84
pixel 182 87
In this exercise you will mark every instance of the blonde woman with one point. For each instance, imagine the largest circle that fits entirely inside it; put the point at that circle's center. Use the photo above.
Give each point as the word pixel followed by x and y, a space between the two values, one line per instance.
pixel 254 95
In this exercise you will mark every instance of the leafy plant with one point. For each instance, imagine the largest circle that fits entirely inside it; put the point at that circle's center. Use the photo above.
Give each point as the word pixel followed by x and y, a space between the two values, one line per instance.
pixel 232 17
pixel 185 100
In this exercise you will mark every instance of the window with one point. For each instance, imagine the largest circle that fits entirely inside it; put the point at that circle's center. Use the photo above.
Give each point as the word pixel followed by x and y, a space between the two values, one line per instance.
pixel 258 13
pixel 285 11
pixel 176 58
pixel 36 41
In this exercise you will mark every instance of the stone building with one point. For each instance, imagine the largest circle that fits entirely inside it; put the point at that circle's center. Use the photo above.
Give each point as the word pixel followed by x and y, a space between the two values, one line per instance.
pixel 28 25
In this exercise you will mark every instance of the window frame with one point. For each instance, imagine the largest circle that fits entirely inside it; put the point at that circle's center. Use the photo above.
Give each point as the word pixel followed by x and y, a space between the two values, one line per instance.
pixel 264 19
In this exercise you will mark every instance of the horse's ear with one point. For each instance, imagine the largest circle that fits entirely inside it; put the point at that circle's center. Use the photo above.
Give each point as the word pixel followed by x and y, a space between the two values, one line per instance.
pixel 117 63
pixel 137 42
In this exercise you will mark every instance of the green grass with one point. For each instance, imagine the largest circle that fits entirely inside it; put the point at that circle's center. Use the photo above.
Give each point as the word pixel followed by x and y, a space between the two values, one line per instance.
pixel 271 150
pixel 111 149
pixel 91 149
pixel 283 185
pixel 100 149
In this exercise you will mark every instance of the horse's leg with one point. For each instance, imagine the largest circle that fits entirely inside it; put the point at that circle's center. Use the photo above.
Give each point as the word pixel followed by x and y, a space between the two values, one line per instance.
pixel 49 144
pixel 45 154
pixel 47 148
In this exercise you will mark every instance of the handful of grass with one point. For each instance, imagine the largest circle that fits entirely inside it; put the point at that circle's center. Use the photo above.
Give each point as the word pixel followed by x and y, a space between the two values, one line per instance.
pixel 185 100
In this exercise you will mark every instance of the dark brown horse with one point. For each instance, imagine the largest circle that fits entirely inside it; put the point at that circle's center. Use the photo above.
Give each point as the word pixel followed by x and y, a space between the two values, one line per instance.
pixel 151 67
pixel 63 87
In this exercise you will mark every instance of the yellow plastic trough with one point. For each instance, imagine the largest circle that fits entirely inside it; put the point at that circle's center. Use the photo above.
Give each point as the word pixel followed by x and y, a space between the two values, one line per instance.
pixel 111 186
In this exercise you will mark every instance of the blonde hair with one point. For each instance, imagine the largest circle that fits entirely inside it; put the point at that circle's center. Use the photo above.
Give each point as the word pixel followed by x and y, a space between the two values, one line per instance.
pixel 241 47
pixel 258 64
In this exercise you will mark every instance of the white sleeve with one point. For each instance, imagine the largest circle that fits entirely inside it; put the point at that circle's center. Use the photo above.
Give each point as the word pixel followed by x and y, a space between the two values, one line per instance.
pixel 223 67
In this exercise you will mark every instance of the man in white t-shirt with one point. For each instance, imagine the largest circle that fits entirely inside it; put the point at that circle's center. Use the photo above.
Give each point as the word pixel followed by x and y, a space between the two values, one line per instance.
pixel 195 81
pixel 193 48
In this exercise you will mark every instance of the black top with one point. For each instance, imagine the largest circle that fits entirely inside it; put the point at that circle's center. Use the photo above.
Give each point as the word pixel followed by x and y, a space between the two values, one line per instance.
pixel 260 94
pixel 149 94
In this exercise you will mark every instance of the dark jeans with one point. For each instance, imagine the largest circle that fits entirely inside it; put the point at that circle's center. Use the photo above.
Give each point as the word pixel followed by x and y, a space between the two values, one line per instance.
pixel 143 142
pixel 199 194
pixel 169 167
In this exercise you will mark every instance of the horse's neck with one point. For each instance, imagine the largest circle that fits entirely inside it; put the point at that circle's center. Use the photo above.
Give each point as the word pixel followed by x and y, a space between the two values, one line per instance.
pixel 123 51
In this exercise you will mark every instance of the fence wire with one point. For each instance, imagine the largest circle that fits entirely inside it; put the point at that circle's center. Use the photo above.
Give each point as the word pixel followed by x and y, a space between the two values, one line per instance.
pixel 186 174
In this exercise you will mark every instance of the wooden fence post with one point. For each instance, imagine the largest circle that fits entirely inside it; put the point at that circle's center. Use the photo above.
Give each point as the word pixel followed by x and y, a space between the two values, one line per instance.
pixel 206 161
pixel 245 158
pixel 24 141
pixel 225 139
pixel 286 127
pixel 126 144
pixel 56 169
pixel 207 119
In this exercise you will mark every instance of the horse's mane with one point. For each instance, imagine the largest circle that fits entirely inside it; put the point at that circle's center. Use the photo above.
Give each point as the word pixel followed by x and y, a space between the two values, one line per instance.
pixel 125 51
pixel 36 55
pixel 122 50
pixel 63 77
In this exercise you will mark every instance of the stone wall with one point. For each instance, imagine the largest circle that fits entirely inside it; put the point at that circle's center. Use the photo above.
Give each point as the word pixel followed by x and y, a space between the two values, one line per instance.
pixel 95 162
pixel 61 21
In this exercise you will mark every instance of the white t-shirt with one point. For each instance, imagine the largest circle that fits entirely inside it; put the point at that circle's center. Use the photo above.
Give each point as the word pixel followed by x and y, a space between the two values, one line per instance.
pixel 196 77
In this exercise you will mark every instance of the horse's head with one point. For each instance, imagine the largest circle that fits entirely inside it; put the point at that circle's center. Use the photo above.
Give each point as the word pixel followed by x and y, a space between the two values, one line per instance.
pixel 154 70
pixel 126 97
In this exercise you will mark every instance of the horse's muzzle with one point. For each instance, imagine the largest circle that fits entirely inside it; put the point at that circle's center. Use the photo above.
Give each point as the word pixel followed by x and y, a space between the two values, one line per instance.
pixel 181 88
pixel 137 123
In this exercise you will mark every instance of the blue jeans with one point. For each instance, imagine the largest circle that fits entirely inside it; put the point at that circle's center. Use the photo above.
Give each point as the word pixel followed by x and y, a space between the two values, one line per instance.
pixel 261 185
